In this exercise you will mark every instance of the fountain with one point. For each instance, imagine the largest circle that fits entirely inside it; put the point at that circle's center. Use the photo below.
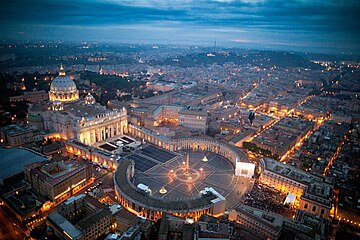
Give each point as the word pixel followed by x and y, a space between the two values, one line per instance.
pixel 163 190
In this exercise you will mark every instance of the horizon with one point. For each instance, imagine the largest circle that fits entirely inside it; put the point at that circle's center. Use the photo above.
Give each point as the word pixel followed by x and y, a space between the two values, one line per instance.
pixel 338 56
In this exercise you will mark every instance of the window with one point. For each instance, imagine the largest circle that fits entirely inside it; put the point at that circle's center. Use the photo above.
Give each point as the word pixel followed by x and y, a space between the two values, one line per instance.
pixel 314 208
pixel 322 211
pixel 306 205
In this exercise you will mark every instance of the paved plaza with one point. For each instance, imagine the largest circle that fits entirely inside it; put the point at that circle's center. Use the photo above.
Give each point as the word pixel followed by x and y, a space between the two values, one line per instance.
pixel 184 174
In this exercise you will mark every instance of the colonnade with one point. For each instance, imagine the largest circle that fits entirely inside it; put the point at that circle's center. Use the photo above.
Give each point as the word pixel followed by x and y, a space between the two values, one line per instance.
pixel 77 148
pixel 153 214
pixel 137 204
pixel 195 143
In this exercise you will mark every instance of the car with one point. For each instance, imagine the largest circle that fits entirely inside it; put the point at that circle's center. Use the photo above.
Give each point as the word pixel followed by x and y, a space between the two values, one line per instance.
pixel 100 182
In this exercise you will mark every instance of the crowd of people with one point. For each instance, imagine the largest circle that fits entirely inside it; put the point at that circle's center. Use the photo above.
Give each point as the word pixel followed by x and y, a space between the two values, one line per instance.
pixel 268 199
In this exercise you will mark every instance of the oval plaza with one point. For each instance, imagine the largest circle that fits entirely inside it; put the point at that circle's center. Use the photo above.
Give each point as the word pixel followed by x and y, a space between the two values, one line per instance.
pixel 186 177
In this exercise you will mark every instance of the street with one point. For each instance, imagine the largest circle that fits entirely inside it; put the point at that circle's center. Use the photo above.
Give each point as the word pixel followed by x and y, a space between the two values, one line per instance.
pixel 7 229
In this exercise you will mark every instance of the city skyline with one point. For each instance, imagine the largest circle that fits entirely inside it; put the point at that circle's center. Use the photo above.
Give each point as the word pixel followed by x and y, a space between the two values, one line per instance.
pixel 314 26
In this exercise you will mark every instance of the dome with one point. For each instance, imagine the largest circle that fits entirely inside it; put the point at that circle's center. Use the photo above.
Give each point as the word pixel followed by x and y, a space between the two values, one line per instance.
pixel 89 99
pixel 63 83
pixel 63 89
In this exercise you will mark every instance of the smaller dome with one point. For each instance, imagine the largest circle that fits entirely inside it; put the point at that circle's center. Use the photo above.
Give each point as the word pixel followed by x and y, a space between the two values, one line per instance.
pixel 89 99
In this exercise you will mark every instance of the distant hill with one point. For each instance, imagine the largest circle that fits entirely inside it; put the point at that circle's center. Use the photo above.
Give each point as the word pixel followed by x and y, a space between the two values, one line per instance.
pixel 254 58
pixel 331 58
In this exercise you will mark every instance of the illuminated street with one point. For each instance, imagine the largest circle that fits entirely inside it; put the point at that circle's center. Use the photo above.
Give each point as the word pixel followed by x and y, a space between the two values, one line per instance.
pixel 8 229
pixel 333 159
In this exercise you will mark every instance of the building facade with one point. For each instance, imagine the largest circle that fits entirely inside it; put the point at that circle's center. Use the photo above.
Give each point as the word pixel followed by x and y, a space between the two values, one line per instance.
pixel 17 135
pixel 75 147
pixel 194 119
pixel 35 96
pixel 265 224
pixel 317 199
pixel 314 193
pixel 57 181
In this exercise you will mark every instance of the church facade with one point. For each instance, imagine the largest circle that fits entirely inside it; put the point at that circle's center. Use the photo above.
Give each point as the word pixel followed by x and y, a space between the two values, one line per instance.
pixel 73 117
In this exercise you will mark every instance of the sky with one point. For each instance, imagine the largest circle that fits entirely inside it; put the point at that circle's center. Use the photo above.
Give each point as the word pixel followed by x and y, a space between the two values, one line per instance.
pixel 331 26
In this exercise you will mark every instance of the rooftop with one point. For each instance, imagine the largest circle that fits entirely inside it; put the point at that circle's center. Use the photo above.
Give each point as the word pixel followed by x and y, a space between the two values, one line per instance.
pixel 288 171
pixel 23 201
pixel 56 172
pixel 80 109
pixel 272 220
pixel 16 129
pixel 320 226
pixel 65 226
pixel 13 160
pixel 93 218
pixel 194 112
pixel 125 215
pixel 320 193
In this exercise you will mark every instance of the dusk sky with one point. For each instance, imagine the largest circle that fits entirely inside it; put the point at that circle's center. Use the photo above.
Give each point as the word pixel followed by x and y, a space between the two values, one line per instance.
pixel 301 25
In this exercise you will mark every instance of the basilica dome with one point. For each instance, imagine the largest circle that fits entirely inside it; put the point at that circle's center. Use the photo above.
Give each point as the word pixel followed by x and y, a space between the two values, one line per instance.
pixel 63 89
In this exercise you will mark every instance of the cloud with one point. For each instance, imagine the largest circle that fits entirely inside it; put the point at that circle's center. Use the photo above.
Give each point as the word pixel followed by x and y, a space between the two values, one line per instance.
pixel 266 42
pixel 298 21
pixel 317 14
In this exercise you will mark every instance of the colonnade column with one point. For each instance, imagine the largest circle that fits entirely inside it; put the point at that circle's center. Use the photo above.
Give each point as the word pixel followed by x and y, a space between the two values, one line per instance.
pixel 93 135
pixel 88 136
pixel 112 130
